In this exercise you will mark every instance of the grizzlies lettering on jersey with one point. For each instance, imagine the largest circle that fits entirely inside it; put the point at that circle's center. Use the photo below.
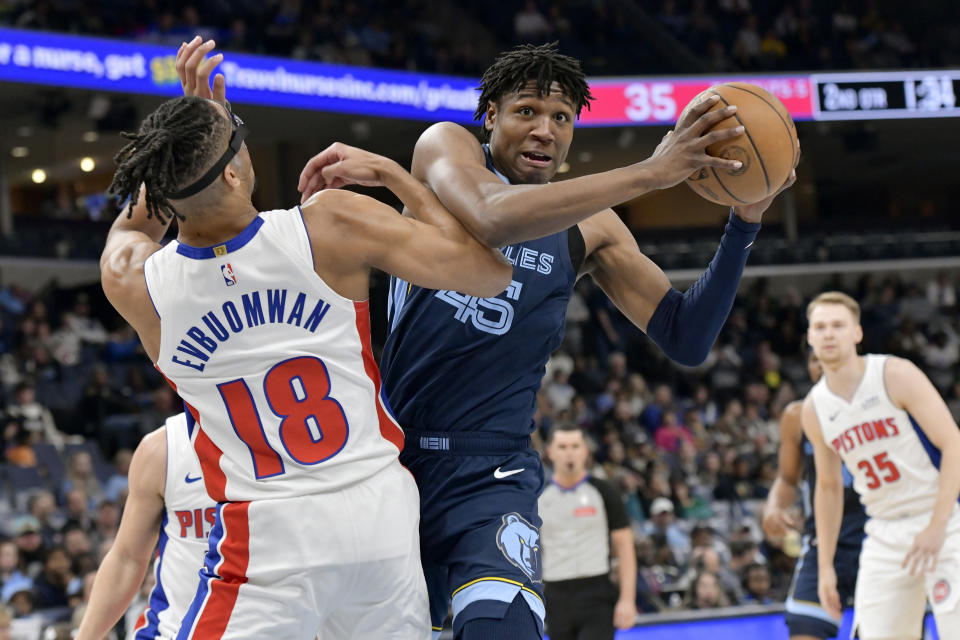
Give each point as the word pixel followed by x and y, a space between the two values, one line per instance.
pixel 454 362
pixel 854 516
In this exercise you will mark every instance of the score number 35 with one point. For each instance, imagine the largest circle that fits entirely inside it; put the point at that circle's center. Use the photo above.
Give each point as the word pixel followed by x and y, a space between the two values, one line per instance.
pixel 650 100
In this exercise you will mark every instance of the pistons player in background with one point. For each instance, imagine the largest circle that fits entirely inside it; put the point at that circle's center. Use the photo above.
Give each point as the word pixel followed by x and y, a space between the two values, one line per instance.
pixel 806 619
pixel 881 417
pixel 168 509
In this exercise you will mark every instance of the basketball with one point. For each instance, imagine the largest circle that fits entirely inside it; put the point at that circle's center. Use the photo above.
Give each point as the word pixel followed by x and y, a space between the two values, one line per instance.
pixel 768 147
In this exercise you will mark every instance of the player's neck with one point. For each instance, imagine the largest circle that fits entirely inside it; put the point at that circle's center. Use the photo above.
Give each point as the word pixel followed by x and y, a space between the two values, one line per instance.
pixel 215 227
pixel 844 378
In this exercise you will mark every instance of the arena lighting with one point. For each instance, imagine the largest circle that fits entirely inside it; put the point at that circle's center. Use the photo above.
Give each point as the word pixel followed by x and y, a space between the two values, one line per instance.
pixel 19 152
pixel 563 168
pixel 116 65
pixel 87 164
pixel 90 136
pixel 39 176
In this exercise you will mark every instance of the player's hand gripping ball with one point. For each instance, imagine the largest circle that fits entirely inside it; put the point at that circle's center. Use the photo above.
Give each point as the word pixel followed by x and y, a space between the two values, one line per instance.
pixel 768 147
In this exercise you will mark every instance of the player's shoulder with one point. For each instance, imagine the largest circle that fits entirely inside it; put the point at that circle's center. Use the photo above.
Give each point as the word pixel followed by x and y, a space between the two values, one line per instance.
pixel 445 139
pixel 334 208
pixel 153 444
pixel 808 412
pixel 148 468
pixel 896 367
pixel 791 419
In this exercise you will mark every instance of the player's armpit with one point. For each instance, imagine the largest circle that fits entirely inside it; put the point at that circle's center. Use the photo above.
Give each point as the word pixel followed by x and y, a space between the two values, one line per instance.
pixel 632 281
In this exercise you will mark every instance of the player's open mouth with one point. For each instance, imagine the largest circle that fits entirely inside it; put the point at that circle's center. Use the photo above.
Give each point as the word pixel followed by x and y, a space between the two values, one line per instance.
pixel 537 159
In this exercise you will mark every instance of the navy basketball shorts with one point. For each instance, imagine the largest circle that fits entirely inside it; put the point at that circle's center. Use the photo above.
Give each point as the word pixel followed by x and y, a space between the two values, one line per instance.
pixel 804 614
pixel 479 526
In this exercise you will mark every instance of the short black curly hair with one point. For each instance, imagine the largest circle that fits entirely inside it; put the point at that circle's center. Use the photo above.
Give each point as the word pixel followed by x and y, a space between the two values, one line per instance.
pixel 513 69
pixel 174 145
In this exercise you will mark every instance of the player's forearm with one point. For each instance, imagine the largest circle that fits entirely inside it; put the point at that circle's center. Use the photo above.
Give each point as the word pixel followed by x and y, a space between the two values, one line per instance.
pixel 782 494
pixel 828 511
pixel 949 486
pixel 117 581
pixel 685 325
pixel 627 563
pixel 507 215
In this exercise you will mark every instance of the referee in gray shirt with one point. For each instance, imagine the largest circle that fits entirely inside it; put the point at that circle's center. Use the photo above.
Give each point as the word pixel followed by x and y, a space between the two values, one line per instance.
pixel 583 519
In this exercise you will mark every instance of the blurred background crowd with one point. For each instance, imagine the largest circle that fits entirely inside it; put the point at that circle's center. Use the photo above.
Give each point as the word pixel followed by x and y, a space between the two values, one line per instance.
pixel 610 36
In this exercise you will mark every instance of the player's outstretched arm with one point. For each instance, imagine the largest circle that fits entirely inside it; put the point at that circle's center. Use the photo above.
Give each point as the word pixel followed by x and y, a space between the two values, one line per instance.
pixel 783 494
pixel 827 509
pixel 355 231
pixel 911 390
pixel 125 565
pixel 451 162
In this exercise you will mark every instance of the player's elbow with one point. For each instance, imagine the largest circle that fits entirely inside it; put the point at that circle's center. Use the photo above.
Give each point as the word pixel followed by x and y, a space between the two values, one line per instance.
pixel 688 353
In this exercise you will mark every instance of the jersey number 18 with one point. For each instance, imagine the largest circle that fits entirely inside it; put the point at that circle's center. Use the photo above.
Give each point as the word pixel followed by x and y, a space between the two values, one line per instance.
pixel 313 426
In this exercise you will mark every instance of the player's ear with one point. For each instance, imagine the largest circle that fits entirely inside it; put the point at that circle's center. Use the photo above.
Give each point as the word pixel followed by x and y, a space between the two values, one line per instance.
pixel 491 116
pixel 859 334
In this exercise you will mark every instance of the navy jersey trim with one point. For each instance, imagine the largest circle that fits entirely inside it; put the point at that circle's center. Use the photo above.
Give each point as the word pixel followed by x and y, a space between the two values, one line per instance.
pixel 219 250
pixel 577 248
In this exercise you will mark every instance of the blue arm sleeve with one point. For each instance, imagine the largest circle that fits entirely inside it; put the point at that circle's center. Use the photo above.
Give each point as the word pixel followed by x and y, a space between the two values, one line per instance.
pixel 685 325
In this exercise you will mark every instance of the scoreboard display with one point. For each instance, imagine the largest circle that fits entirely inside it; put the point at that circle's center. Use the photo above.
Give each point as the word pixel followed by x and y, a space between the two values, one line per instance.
pixel 889 95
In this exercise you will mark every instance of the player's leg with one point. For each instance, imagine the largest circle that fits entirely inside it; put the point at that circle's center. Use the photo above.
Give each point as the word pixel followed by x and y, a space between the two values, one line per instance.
pixel 517 622
pixel 598 599
pixel 889 602
pixel 563 611
pixel 943 584
pixel 805 618
pixel 435 476
pixel 386 598
pixel 240 595
pixel 495 562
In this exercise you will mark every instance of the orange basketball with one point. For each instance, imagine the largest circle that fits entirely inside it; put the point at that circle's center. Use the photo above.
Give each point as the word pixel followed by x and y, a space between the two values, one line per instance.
pixel 768 147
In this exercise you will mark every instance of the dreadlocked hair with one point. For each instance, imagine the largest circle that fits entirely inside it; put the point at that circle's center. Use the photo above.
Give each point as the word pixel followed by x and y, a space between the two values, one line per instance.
pixel 173 145
pixel 512 70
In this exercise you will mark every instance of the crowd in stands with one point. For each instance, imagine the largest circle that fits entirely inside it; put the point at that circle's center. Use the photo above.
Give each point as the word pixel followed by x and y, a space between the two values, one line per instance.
pixel 692 450
pixel 610 36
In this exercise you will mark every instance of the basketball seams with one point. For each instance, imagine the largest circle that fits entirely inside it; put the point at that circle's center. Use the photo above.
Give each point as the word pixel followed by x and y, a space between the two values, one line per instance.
pixel 724 187
pixel 756 149
pixel 790 133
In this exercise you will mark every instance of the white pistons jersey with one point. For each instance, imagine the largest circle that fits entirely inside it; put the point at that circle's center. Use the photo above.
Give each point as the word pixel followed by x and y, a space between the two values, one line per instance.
pixel 894 465
pixel 189 515
pixel 274 365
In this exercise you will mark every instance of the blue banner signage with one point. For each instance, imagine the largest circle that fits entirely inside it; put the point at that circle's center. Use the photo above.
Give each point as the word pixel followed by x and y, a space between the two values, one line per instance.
pixel 132 67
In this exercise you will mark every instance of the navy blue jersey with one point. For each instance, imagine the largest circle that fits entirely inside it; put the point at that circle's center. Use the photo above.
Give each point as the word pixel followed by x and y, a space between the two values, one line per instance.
pixel 854 516
pixel 454 362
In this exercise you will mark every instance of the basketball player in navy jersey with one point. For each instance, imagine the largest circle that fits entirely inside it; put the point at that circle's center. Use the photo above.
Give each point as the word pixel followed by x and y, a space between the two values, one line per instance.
pixel 462 372
pixel 806 619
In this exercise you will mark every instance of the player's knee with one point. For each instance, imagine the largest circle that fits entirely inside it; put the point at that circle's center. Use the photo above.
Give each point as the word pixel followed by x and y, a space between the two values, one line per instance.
pixel 518 623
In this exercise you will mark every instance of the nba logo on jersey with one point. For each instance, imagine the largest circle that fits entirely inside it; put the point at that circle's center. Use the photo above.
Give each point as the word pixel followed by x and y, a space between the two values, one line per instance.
pixel 941 591
pixel 228 278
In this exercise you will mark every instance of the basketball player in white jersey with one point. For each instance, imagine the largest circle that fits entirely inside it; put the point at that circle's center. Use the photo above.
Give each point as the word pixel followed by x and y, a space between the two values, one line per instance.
pixel 885 421
pixel 260 321
pixel 167 502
